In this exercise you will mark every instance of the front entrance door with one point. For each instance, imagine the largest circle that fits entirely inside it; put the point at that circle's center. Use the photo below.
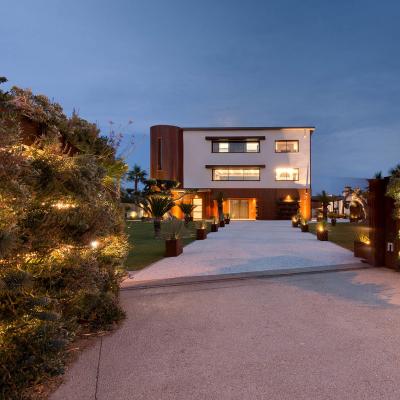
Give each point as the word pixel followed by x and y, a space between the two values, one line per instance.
pixel 198 210
pixel 239 208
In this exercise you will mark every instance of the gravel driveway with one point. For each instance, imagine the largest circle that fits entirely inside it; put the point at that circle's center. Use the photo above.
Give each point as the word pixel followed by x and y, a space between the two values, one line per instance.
pixel 246 247
pixel 301 337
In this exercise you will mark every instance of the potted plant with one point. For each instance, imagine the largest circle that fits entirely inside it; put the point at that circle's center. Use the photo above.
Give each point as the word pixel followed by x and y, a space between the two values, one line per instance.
pixel 322 231
pixel 201 231
pixel 333 216
pixel 304 225
pixel 214 225
pixel 227 219
pixel 362 247
pixel 173 242
pixel 295 221
pixel 187 209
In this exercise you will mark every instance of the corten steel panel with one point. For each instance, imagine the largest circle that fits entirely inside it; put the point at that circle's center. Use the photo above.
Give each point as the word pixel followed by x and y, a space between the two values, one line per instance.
pixel 392 227
pixel 376 200
pixel 31 131
pixel 383 227
pixel 172 152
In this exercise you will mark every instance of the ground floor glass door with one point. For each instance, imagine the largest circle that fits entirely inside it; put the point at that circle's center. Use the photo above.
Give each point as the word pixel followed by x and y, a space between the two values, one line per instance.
pixel 198 210
pixel 239 208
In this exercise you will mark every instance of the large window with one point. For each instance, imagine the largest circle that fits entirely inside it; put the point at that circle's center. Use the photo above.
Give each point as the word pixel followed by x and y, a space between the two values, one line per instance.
pixel 236 174
pixel 235 147
pixel 287 174
pixel 286 146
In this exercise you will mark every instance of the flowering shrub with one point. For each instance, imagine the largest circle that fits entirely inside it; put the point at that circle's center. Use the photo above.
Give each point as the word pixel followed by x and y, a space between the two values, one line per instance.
pixel 54 282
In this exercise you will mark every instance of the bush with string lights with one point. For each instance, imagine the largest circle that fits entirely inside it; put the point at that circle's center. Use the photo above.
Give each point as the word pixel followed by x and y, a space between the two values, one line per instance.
pixel 62 241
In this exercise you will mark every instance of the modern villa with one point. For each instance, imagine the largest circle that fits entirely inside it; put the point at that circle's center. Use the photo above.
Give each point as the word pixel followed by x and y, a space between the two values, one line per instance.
pixel 263 172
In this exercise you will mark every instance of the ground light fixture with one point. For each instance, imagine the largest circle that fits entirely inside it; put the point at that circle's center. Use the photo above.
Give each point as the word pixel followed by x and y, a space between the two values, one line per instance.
pixel 94 244
pixel 322 231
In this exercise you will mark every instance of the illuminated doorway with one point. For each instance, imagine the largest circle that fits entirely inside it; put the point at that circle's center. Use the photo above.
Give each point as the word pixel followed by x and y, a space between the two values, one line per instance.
pixel 198 210
pixel 239 208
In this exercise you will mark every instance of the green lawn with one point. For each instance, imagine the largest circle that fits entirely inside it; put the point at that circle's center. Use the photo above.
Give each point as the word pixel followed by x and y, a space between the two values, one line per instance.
pixel 344 234
pixel 145 249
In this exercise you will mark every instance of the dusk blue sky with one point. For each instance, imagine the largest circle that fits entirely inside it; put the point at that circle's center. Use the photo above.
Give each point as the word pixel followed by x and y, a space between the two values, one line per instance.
pixel 332 64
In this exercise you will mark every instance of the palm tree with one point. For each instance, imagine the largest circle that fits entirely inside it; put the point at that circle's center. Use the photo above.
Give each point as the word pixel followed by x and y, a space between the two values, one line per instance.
pixel 115 171
pixel 324 199
pixel 220 203
pixel 157 206
pixel 137 175
pixel 187 209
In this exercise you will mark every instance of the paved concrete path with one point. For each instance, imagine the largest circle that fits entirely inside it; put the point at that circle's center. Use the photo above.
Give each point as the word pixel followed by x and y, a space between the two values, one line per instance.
pixel 249 246
pixel 314 337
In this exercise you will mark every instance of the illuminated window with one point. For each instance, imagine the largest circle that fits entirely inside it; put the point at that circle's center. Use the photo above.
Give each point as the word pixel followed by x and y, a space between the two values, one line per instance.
pixel 252 147
pixel 287 174
pixel 286 146
pixel 235 147
pixel 236 174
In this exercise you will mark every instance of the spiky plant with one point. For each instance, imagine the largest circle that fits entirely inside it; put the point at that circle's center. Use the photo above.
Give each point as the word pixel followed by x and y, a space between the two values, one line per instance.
pixel 157 206
pixel 187 209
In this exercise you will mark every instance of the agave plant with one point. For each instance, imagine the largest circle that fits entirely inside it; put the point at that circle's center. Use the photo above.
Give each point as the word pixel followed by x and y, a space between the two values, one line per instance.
pixel 187 209
pixel 201 224
pixel 174 229
pixel 157 206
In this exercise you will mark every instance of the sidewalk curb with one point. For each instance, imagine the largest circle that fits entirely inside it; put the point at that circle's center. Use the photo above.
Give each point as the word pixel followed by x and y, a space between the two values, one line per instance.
pixel 190 280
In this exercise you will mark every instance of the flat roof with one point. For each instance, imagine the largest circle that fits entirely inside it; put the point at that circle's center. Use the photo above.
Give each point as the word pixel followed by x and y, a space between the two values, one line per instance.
pixel 246 128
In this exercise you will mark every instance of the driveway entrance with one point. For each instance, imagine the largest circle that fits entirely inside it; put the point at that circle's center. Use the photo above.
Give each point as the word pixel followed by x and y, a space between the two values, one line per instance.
pixel 248 246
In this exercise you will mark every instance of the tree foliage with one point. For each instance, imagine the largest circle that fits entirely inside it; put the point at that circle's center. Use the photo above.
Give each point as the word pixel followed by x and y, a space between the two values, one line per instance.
pixel 393 190
pixel 61 238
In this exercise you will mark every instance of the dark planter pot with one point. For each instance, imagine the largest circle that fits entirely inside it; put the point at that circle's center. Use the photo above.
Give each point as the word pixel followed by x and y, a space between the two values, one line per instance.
pixel 227 220
pixel 201 234
pixel 221 224
pixel 362 250
pixel 173 247
pixel 333 221
pixel 323 236
pixel 304 228
pixel 295 224
pixel 214 227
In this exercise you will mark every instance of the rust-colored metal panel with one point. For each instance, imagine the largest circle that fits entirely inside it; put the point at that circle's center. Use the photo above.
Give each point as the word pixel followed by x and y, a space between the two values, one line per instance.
pixel 384 229
pixel 166 152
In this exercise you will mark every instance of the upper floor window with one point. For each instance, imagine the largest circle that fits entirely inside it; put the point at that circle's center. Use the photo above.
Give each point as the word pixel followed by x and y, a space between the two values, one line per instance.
pixel 236 147
pixel 236 174
pixel 286 146
pixel 287 174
